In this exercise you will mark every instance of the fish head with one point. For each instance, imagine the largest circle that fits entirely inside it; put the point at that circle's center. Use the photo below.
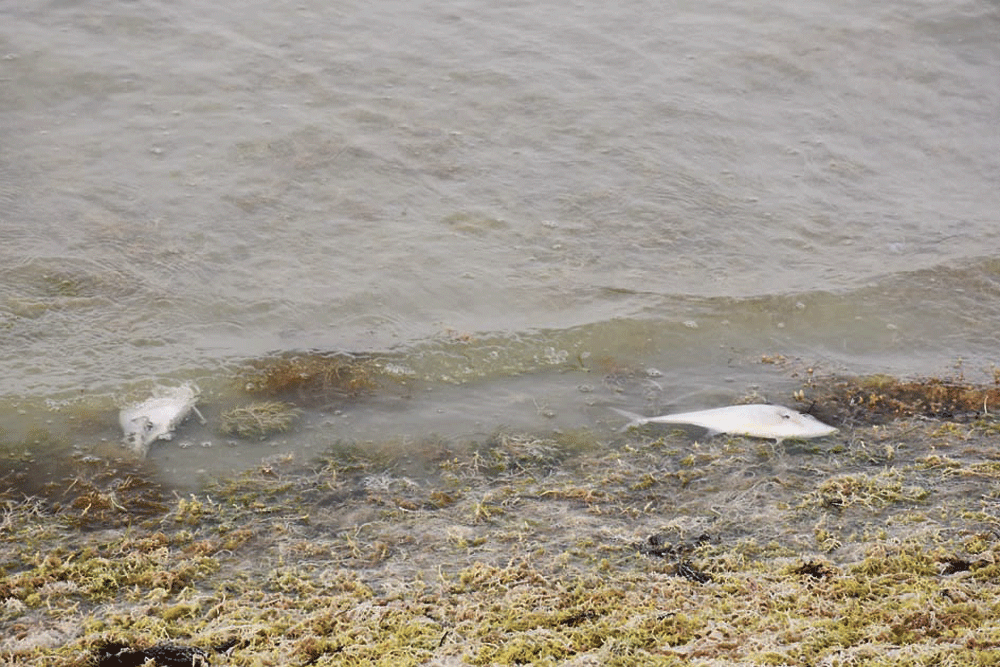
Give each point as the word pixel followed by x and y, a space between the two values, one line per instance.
pixel 789 423
pixel 140 433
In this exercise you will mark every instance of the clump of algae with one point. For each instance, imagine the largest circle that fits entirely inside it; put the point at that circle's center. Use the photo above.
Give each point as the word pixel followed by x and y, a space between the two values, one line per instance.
pixel 258 420
pixel 870 491
pixel 878 399
pixel 311 377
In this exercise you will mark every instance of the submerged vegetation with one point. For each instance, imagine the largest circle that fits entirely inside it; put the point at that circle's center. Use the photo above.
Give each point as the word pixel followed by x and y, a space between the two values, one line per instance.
pixel 637 554
pixel 880 399
pixel 258 420
pixel 877 546
pixel 311 377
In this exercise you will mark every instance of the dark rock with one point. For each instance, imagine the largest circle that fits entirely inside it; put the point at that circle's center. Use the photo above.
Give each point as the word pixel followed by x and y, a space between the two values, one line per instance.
pixel 165 655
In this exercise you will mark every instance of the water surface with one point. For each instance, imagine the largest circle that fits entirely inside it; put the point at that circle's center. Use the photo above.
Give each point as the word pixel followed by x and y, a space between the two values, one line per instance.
pixel 537 210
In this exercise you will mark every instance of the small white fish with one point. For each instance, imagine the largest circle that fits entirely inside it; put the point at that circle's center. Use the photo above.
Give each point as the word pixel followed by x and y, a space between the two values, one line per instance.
pixel 756 421
pixel 157 417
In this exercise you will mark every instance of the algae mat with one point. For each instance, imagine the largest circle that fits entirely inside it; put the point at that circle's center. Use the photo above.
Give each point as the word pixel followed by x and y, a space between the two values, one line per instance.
pixel 878 546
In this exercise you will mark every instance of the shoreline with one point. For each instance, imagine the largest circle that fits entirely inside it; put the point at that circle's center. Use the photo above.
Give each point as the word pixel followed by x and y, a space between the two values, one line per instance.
pixel 876 546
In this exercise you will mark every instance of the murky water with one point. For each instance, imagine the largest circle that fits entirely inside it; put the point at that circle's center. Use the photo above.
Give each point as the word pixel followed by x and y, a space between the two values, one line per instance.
pixel 537 210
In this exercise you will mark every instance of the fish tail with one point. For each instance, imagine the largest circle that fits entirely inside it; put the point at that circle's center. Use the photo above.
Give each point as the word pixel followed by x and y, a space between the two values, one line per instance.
pixel 635 420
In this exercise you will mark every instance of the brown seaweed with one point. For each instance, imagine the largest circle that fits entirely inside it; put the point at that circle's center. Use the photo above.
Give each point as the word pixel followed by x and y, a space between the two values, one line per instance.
pixel 879 399
pixel 310 377
pixel 258 420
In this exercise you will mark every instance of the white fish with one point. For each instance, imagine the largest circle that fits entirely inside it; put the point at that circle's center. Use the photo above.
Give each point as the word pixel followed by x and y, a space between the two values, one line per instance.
pixel 756 421
pixel 157 417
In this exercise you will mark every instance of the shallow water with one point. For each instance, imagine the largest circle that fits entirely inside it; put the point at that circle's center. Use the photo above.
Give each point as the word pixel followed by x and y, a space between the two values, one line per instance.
pixel 537 211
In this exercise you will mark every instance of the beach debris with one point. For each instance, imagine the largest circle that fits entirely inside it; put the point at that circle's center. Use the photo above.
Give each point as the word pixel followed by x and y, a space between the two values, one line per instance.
pixel 158 416
pixel 164 655
pixel 688 571
pixel 658 546
pixel 755 421
pixel 258 420
pixel 817 569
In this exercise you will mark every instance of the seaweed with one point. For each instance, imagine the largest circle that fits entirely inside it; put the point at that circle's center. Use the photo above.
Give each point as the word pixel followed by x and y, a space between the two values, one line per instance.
pixel 522 548
pixel 877 490
pixel 311 377
pixel 91 492
pixel 879 399
pixel 258 420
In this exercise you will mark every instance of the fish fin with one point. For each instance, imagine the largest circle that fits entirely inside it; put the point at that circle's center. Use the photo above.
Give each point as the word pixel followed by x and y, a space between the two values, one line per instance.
pixel 198 412
pixel 635 420
pixel 709 433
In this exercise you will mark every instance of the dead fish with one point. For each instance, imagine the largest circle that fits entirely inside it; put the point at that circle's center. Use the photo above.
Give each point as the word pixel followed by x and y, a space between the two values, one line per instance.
pixel 755 421
pixel 157 417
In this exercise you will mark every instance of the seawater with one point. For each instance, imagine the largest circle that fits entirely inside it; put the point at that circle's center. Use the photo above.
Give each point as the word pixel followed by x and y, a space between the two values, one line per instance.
pixel 535 210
